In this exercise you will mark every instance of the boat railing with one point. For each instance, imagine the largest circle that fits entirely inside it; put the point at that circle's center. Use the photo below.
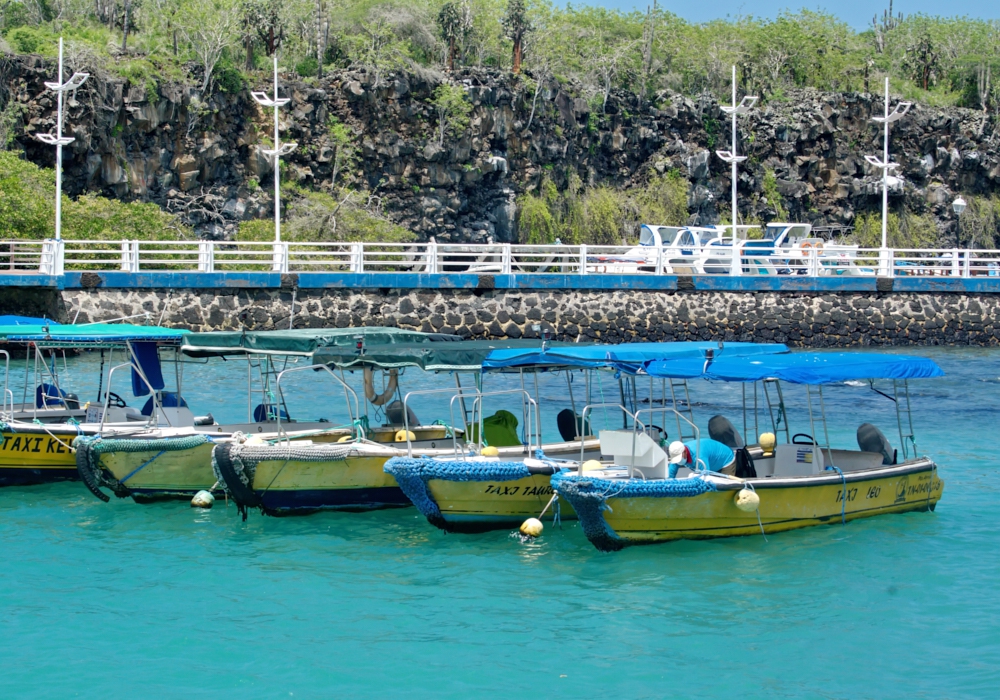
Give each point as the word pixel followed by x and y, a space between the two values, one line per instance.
pixel 680 417
pixel 457 395
pixel 526 402
pixel 808 257
pixel 104 411
pixel 583 423
pixel 349 393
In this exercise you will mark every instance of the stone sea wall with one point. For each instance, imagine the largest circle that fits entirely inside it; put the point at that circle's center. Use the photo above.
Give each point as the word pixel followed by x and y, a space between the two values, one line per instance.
pixel 808 319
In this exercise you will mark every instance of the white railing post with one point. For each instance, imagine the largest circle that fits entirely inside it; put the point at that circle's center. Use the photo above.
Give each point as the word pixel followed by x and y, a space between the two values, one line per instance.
pixel 890 260
pixel 206 256
pixel 659 261
pixel 966 263
pixel 47 260
pixel 814 269
pixel 432 254
pixel 279 258
pixel 135 256
pixel 126 264
pixel 505 259
pixel 583 259
pixel 357 257
pixel 735 265
pixel 955 272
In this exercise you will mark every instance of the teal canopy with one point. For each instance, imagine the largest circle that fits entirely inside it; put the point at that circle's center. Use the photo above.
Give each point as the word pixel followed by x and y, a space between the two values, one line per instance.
pixel 89 335
pixel 300 341
pixel 466 356
pixel 798 368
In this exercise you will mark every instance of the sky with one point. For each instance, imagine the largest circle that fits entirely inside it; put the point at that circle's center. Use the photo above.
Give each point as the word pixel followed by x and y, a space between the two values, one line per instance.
pixel 857 13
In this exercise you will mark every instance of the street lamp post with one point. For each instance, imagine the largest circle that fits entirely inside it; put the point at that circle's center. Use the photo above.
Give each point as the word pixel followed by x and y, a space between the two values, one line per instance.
pixel 57 139
pixel 958 206
pixel 886 165
pixel 731 157
pixel 275 154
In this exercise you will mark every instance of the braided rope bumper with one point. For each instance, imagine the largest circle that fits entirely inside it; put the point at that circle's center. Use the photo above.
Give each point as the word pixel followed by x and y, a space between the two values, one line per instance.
pixel 588 496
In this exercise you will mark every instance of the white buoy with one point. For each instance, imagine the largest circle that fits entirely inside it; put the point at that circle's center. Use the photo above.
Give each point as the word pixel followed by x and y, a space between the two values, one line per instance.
pixel 592 465
pixel 746 500
pixel 532 527
pixel 202 499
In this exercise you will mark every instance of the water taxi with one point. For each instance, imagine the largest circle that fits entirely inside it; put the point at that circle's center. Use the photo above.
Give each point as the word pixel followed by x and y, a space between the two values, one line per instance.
pixel 37 429
pixel 477 490
pixel 174 460
pixel 769 487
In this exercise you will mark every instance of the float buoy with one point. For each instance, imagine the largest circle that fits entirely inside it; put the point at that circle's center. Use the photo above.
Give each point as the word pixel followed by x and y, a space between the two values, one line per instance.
pixel 767 442
pixel 746 500
pixel 592 465
pixel 490 451
pixel 346 438
pixel 202 499
pixel 532 527
pixel 404 435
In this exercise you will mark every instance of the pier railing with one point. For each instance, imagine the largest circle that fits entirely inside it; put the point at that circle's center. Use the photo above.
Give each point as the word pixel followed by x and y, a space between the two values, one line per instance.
pixel 748 258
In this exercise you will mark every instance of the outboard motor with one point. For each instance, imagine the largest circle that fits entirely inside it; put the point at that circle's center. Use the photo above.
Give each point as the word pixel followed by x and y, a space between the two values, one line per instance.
pixel 571 426
pixel 722 430
pixel 394 414
pixel 871 439
pixel 72 402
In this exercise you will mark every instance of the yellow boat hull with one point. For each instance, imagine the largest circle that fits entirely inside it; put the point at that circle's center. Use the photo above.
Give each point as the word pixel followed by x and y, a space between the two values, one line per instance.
pixel 155 474
pixel 32 456
pixel 475 506
pixel 785 504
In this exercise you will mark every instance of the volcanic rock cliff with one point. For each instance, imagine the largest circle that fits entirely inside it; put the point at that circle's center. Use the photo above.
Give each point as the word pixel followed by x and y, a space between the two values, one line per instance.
pixel 199 155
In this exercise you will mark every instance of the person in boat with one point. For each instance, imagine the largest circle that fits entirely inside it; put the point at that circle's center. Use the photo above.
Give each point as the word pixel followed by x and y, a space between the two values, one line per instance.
pixel 712 455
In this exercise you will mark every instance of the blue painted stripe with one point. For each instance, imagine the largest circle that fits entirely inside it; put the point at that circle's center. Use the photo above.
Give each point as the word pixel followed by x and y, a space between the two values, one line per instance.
pixel 220 281
pixel 319 499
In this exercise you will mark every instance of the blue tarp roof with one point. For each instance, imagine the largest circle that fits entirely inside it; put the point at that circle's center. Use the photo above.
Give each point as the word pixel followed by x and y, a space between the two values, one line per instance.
pixel 627 357
pixel 799 368
pixel 25 321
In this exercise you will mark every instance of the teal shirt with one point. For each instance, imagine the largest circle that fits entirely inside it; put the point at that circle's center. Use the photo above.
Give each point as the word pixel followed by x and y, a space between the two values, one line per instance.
pixel 713 454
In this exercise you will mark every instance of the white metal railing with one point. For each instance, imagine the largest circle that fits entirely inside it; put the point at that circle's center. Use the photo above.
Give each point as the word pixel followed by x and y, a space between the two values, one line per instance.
pixel 751 258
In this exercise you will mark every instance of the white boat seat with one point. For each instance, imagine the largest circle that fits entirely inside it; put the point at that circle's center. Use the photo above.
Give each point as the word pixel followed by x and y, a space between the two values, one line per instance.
pixel 798 460
pixel 648 458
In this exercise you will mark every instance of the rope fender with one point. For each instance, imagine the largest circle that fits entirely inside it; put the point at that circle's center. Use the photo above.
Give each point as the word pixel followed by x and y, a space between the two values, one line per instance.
pixel 235 466
pixel 412 475
pixel 94 475
pixel 589 496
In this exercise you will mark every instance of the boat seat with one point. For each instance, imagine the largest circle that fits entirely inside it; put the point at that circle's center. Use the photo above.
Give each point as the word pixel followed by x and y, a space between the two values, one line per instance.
pixel 49 396
pixel 648 458
pixel 722 430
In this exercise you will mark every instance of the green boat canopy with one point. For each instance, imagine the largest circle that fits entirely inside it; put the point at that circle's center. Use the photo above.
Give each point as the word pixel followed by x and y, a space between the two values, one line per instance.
pixel 302 341
pixel 92 335
pixel 466 356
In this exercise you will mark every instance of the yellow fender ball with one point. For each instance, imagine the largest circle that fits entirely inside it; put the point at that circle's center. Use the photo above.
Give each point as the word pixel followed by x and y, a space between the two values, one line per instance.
pixel 346 438
pixel 490 451
pixel 767 442
pixel 532 527
pixel 592 465
pixel 202 499
pixel 746 500
pixel 403 435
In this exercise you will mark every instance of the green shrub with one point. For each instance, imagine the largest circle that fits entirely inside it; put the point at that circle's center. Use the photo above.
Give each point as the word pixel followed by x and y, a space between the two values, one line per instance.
pixel 307 67
pixel 535 223
pixel 30 40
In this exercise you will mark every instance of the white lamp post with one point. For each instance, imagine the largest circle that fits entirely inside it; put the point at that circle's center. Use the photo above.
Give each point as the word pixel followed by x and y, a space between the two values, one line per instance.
pixel 58 140
pixel 745 105
pixel 278 150
pixel 886 165
pixel 958 206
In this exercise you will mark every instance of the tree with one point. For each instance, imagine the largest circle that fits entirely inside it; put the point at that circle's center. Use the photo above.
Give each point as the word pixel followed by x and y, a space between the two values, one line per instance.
pixel 450 23
pixel 262 23
pixel 453 110
pixel 516 26
pixel 376 48
pixel 210 27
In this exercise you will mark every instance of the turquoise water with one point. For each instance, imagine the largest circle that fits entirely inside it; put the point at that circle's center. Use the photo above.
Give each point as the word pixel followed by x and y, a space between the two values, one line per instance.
pixel 122 600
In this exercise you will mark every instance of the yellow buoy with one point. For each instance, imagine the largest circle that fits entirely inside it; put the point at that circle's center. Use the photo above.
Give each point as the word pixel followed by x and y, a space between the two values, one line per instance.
pixel 592 464
pixel 404 435
pixel 490 451
pixel 767 443
pixel 202 499
pixel 532 527
pixel 746 500
pixel 346 438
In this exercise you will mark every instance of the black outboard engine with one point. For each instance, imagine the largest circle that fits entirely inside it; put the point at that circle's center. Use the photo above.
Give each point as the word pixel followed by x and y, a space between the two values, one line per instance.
pixel 871 439
pixel 722 430
pixel 394 414
pixel 571 426
pixel 72 402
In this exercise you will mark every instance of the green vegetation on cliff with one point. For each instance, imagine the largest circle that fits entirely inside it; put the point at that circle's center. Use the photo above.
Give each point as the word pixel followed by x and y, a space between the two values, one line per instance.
pixel 935 59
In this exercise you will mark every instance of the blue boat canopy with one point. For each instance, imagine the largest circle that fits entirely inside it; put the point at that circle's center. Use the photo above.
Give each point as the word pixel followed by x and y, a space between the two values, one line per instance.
pixel 627 357
pixel 798 368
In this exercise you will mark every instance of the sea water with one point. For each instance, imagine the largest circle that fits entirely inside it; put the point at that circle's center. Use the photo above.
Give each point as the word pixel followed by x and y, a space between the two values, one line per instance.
pixel 123 600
